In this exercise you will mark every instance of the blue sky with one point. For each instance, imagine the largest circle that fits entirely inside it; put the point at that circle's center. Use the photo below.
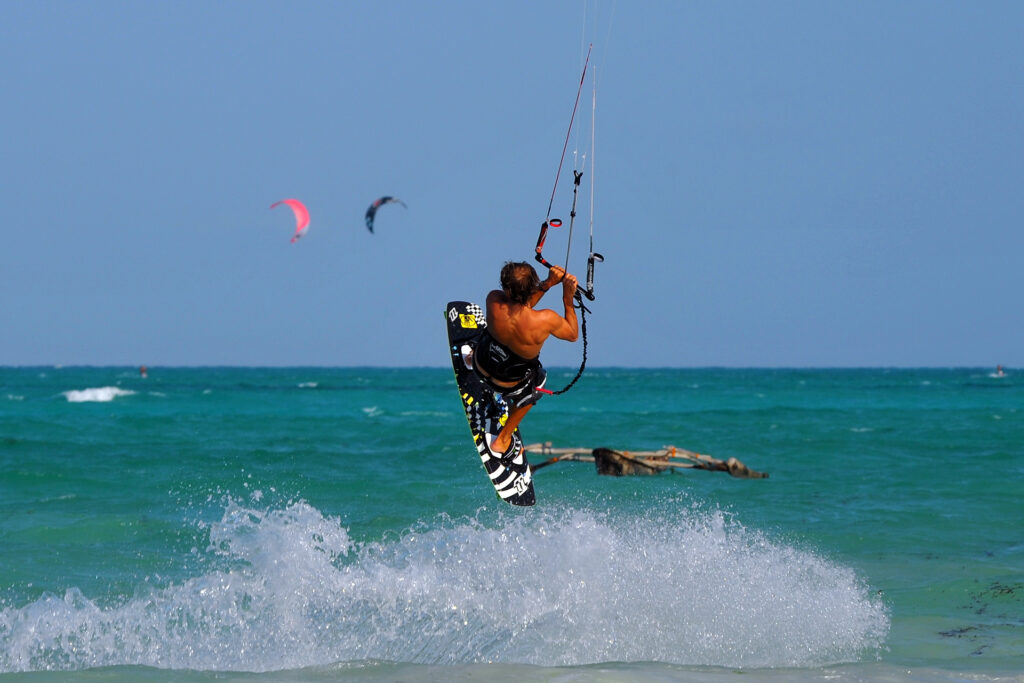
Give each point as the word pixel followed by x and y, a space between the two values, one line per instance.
pixel 776 183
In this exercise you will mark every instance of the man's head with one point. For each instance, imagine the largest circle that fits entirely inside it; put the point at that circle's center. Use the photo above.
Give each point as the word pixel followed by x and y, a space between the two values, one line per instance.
pixel 519 281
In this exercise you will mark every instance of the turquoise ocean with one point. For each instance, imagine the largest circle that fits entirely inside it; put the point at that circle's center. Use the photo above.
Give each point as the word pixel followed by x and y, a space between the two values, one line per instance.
pixel 335 524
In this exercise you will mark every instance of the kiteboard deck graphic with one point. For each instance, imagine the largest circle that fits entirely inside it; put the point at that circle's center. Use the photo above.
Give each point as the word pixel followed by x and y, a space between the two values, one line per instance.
pixel 486 411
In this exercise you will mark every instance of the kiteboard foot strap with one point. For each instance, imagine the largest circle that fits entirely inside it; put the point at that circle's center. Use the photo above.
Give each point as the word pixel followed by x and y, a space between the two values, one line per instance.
pixel 514 451
pixel 467 356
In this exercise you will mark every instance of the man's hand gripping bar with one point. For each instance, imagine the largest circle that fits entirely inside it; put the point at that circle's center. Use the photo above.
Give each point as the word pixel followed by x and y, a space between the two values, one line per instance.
pixel 593 258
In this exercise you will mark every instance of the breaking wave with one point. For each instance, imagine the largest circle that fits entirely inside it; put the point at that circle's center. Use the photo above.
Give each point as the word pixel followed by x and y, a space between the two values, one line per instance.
pixel 97 394
pixel 293 590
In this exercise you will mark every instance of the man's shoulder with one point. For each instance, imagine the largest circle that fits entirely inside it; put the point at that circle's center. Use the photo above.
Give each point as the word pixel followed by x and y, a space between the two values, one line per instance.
pixel 544 319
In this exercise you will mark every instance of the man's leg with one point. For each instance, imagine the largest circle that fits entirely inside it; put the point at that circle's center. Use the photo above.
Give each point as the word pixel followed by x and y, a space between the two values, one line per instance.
pixel 504 438
pixel 522 397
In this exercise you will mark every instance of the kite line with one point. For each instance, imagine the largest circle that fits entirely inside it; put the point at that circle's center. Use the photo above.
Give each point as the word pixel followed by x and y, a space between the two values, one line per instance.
pixel 555 223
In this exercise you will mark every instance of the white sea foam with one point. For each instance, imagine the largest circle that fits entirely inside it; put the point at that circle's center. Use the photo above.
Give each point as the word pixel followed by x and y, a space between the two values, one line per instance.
pixel 549 589
pixel 96 394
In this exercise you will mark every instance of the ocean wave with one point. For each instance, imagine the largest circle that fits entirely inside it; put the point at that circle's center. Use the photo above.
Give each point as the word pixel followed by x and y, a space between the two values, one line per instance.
pixel 552 589
pixel 426 413
pixel 96 394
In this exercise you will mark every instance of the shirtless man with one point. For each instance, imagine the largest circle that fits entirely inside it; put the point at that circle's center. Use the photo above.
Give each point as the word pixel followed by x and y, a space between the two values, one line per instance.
pixel 507 354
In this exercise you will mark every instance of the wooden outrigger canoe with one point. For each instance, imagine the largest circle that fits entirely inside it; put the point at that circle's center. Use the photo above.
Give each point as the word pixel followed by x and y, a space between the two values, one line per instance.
pixel 618 463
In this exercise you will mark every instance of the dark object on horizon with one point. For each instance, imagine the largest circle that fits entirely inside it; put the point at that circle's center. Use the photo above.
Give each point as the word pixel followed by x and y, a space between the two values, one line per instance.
pixel 613 463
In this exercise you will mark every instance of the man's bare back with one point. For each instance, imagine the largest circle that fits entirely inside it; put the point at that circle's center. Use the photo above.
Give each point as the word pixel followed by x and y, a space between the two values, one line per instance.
pixel 523 329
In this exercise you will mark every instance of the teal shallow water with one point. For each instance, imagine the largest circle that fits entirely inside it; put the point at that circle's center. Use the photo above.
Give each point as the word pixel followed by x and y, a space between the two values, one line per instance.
pixel 335 524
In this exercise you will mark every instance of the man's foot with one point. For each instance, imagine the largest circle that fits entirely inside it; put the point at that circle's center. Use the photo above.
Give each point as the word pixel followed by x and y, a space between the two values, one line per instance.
pixel 503 445
pixel 509 453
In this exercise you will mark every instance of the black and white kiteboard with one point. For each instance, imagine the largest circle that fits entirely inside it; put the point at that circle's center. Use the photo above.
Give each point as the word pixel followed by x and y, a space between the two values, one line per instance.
pixel 486 411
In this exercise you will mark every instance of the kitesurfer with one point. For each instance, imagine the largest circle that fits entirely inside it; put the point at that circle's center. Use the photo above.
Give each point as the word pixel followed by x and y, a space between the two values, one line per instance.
pixel 507 353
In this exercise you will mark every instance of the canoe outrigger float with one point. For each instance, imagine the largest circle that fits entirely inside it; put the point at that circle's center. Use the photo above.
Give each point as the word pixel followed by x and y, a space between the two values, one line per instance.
pixel 619 463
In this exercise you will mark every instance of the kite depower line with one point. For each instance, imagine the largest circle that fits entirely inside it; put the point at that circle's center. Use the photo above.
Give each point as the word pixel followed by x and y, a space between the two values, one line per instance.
pixel 549 222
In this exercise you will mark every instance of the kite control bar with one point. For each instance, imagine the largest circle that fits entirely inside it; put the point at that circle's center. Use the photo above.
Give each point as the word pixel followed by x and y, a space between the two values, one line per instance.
pixel 591 260
pixel 557 223
pixel 554 223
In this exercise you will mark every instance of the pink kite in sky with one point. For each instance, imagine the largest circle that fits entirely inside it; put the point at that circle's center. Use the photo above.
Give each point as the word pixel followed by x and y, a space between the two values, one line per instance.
pixel 301 216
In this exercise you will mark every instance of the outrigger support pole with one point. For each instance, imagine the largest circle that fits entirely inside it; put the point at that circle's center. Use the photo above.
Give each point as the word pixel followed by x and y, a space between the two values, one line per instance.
pixel 618 463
